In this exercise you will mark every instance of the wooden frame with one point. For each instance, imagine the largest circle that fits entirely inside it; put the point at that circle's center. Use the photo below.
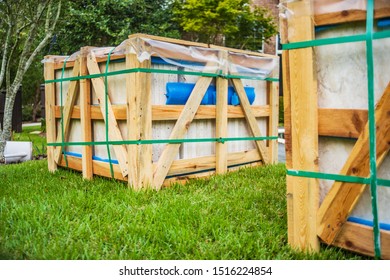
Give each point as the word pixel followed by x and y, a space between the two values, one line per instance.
pixel 135 161
pixel 305 122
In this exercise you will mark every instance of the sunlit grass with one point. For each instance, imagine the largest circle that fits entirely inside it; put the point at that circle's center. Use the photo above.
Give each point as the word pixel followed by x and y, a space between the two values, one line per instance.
pixel 240 215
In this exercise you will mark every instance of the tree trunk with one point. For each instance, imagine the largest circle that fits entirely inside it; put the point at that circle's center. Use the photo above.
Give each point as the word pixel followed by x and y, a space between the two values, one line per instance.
pixel 37 102
pixel 6 132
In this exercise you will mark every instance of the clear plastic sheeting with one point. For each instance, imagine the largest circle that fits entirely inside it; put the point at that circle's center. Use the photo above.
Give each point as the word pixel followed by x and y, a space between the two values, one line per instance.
pixel 187 56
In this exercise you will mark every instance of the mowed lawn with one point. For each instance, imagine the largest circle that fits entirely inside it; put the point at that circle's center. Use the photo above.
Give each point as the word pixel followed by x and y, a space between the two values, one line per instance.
pixel 240 215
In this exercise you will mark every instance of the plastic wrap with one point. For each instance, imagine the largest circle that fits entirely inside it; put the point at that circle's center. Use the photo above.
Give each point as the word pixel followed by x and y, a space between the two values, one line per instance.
pixel 186 57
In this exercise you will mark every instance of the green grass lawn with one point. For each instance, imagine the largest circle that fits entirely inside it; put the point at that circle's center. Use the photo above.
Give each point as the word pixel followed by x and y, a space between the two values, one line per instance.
pixel 240 215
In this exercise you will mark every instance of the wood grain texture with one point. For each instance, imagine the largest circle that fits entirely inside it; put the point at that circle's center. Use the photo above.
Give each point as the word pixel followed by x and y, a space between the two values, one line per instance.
pixel 304 128
pixel 348 16
pixel 221 122
pixel 50 91
pixel 342 197
pixel 179 130
pixel 348 123
pixel 138 87
pixel 251 119
pixel 359 238
pixel 85 116
pixel 113 128
pixel 200 165
pixel 171 112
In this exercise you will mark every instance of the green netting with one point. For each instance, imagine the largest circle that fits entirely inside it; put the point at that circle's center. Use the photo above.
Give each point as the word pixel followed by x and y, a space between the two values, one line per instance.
pixel 373 181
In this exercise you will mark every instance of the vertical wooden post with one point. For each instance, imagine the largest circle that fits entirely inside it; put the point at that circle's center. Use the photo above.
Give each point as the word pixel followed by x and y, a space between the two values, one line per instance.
pixel 85 115
pixel 304 127
pixel 221 116
pixel 287 130
pixel 139 122
pixel 50 99
pixel 273 120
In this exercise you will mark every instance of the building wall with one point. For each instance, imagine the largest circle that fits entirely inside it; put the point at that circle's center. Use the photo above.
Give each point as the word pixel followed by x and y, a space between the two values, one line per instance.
pixel 270 47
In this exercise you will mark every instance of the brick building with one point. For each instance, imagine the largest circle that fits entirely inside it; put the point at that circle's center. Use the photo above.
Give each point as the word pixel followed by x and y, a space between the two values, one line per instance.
pixel 271 47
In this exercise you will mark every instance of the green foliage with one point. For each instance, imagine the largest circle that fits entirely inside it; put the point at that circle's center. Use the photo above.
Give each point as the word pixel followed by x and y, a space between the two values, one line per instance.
pixel 240 215
pixel 230 22
pixel 109 22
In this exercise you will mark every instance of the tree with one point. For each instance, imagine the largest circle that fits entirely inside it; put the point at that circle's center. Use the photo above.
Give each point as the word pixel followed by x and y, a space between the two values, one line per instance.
pixel 232 23
pixel 27 27
pixel 109 22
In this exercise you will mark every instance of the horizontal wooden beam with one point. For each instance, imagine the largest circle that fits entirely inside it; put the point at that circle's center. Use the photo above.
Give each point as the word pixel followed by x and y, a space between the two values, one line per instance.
pixel 201 165
pixel 169 112
pixel 348 16
pixel 183 166
pixel 347 123
pixel 360 239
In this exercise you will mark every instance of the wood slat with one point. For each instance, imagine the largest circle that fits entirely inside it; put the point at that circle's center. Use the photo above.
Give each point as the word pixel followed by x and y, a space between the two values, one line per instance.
pixel 359 238
pixel 348 16
pixel 221 122
pixel 171 112
pixel 71 97
pixel 200 165
pixel 347 123
pixel 287 128
pixel 304 128
pixel 139 120
pixel 250 118
pixel 342 197
pixel 85 116
pixel 170 151
pixel 113 131
pixel 50 96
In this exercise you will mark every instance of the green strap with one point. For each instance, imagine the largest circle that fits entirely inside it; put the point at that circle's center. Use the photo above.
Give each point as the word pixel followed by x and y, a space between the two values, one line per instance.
pixel 160 71
pixel 164 141
pixel 106 112
pixel 372 125
pixel 62 114
pixel 328 176
pixel 337 40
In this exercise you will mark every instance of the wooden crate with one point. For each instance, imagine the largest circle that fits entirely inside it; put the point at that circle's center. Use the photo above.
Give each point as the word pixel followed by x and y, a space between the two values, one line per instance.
pixel 326 129
pixel 136 110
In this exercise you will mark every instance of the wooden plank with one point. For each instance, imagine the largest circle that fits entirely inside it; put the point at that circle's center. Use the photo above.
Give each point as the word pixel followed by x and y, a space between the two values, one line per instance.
pixel 138 86
pixel 199 164
pixel 273 120
pixel 178 168
pixel 349 16
pixel 347 123
pixel 221 122
pixel 51 126
pixel 342 197
pixel 99 168
pixel 113 131
pixel 287 127
pixel 359 238
pixel 251 119
pixel 71 97
pixel 304 128
pixel 85 115
pixel 171 112
pixel 170 151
